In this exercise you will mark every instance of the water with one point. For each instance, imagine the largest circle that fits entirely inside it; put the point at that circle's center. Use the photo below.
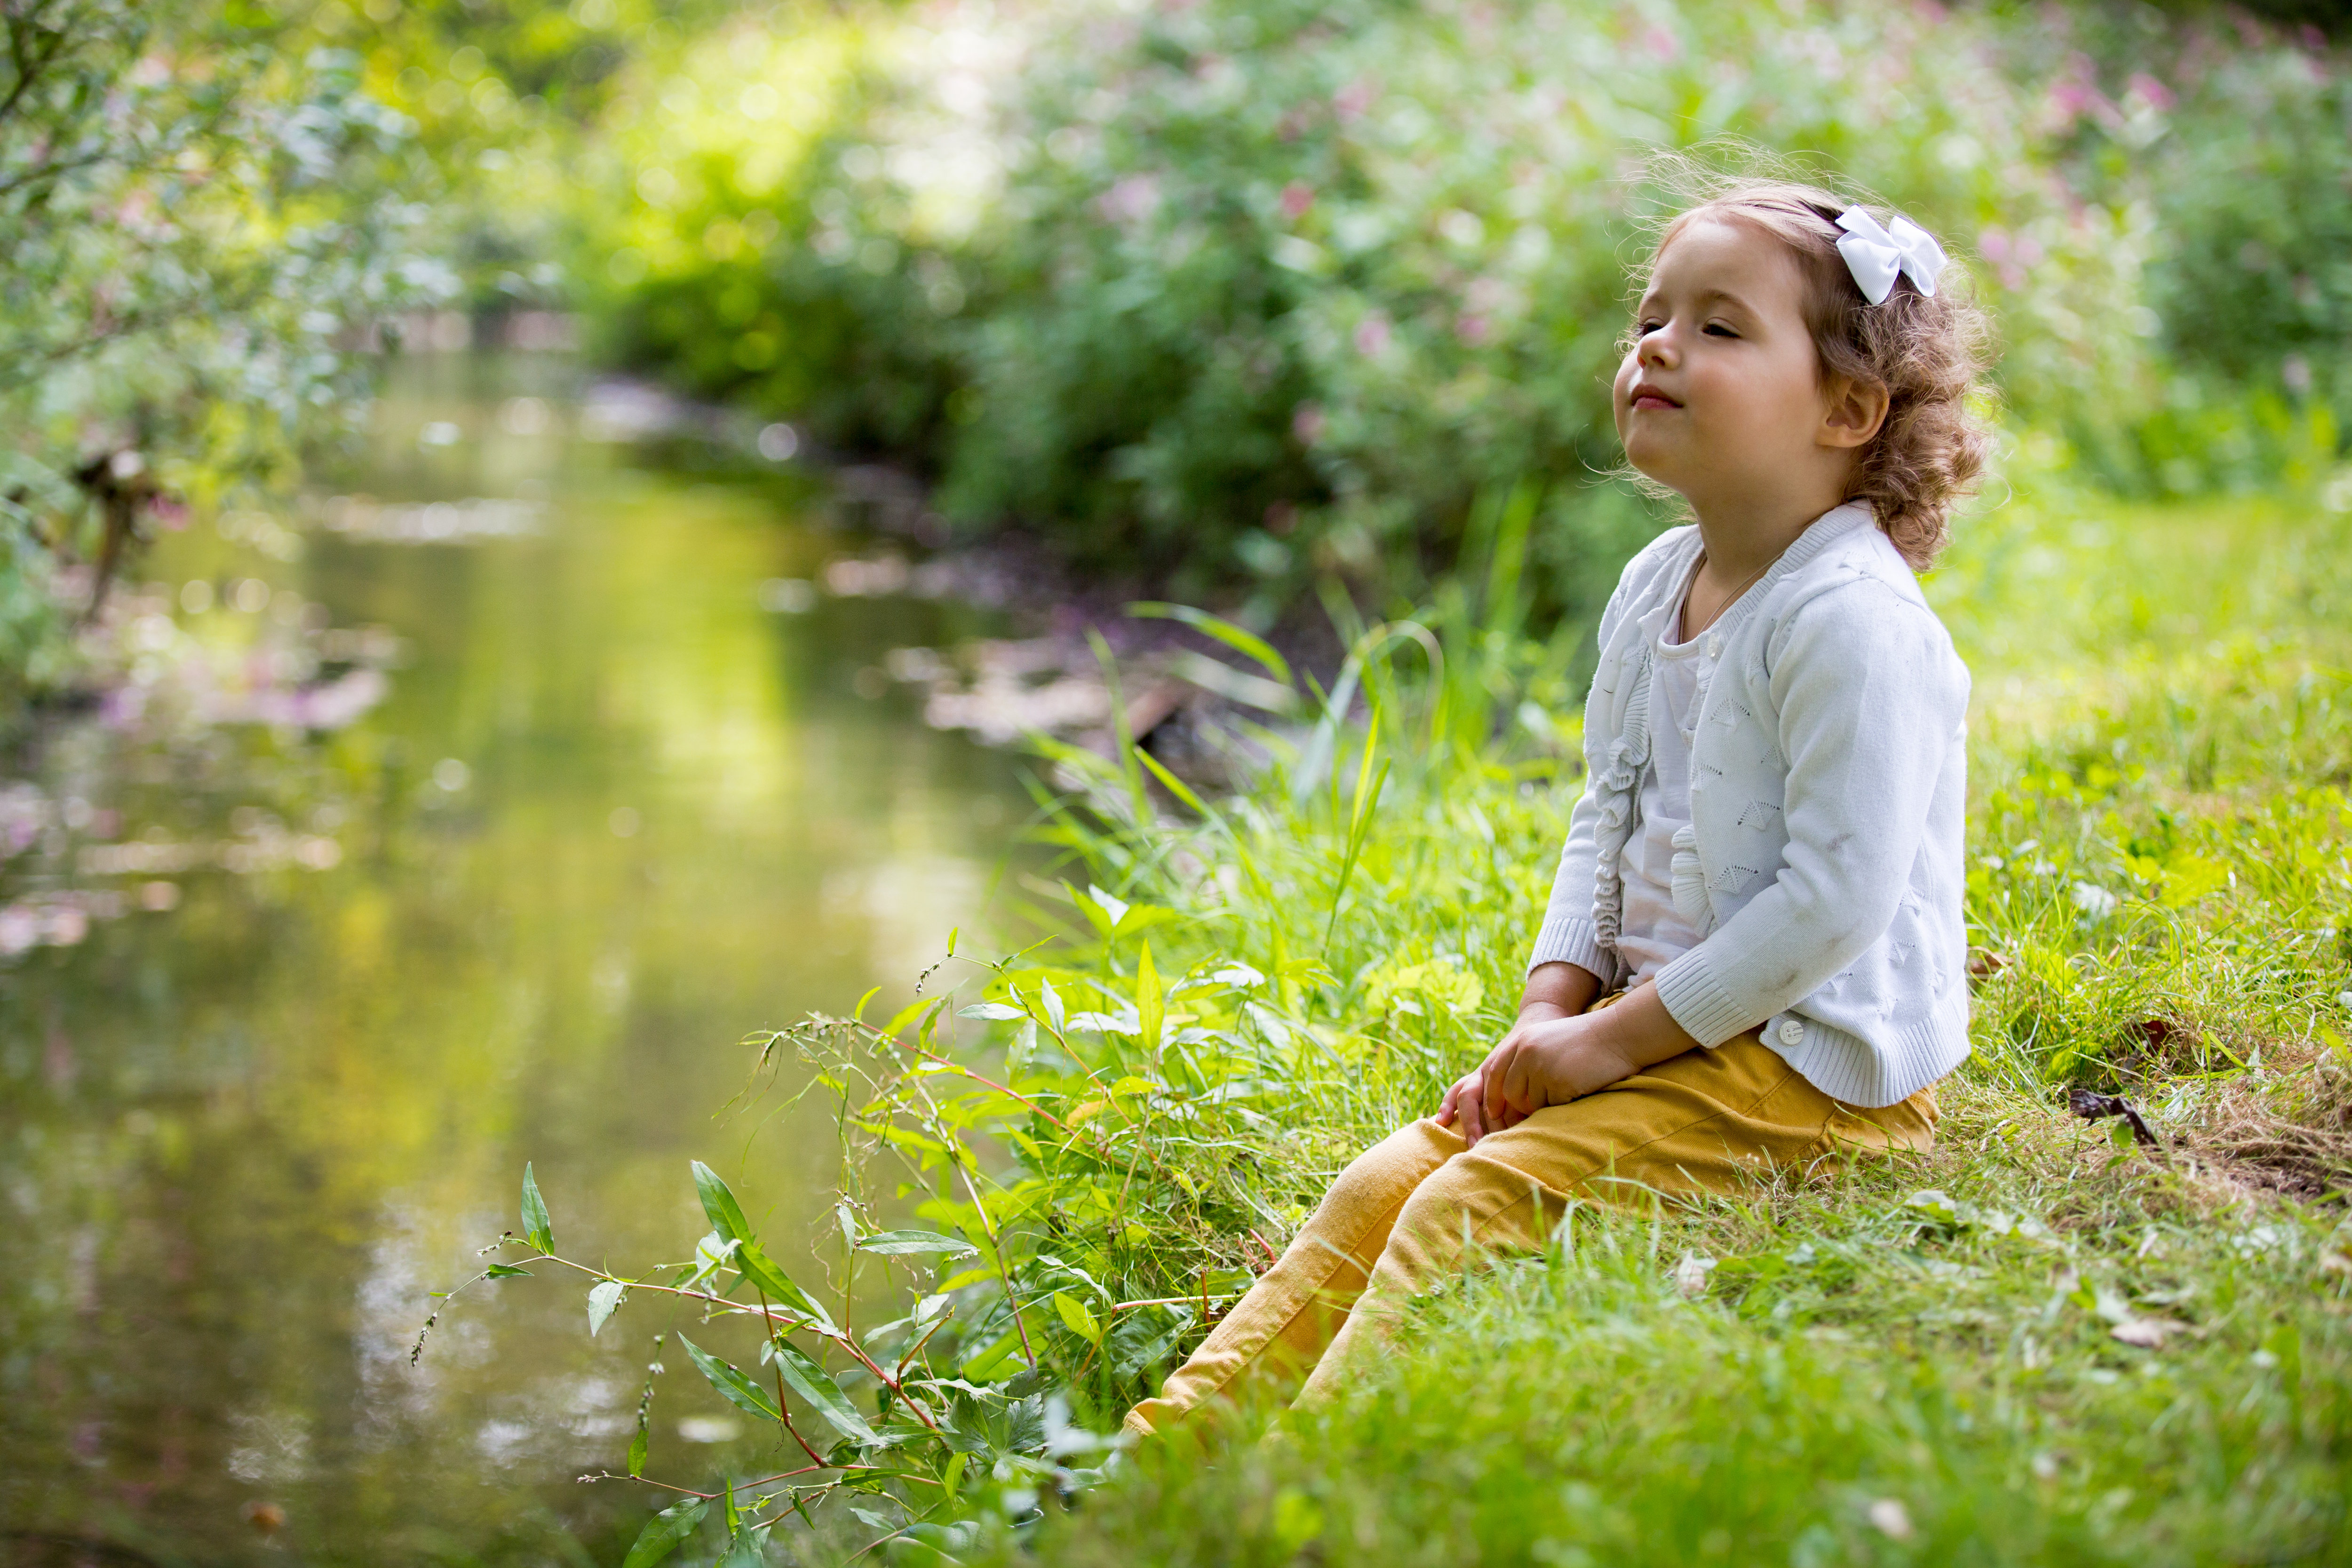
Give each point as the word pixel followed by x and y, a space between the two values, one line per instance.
pixel 614 814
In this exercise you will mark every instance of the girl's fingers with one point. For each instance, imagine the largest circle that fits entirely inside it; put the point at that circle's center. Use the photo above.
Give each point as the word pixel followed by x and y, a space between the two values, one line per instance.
pixel 1499 1069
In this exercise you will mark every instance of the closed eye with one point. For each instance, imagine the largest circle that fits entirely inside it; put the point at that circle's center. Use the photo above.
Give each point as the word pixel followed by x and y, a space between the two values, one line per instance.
pixel 1646 328
pixel 1717 328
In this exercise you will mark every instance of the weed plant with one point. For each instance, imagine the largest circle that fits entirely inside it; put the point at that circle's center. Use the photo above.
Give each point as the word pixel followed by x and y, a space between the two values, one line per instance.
pixel 2044 1341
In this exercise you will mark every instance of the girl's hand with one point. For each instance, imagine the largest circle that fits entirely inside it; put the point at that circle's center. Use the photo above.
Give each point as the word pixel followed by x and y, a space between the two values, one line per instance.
pixel 1549 1063
pixel 1542 1062
pixel 1549 1059
pixel 1468 1099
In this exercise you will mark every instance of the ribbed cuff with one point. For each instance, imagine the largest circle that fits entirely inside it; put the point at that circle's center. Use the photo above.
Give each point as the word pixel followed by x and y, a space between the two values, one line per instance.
pixel 1569 939
pixel 1697 1001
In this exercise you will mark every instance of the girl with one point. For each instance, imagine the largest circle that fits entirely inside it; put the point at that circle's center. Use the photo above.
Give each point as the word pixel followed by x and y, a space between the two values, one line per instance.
pixel 1764 873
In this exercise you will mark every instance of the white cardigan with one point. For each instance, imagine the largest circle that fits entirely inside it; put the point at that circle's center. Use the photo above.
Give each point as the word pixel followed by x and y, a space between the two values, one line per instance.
pixel 1828 784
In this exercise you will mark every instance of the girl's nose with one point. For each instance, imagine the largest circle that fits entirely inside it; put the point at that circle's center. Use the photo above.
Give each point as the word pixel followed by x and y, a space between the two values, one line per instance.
pixel 1656 348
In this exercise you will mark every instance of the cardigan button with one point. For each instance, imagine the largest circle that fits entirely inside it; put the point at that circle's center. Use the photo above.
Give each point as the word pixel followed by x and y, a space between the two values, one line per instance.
pixel 1792 1032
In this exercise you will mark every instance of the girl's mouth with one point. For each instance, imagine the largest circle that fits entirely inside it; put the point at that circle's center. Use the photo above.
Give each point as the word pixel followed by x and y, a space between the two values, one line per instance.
pixel 1653 399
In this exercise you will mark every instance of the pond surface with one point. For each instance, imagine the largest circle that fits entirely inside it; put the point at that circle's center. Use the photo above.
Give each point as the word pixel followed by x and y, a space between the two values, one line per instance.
pixel 618 809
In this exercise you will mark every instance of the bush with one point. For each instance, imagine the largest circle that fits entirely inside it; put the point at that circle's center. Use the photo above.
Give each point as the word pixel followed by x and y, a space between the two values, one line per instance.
pixel 1245 289
pixel 196 227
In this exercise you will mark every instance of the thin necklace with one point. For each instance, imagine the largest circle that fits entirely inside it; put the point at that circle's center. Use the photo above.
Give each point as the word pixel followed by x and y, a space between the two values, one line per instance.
pixel 1690 631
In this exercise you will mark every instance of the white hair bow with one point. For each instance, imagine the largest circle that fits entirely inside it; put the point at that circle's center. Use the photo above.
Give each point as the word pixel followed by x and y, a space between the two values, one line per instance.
pixel 1874 255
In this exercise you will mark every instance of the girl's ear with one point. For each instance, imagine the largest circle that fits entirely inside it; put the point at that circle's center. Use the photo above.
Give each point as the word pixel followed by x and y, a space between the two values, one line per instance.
pixel 1851 412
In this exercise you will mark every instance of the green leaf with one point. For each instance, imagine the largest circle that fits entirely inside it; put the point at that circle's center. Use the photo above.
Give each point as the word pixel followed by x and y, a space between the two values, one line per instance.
pixel 1053 1001
pixel 906 1014
pixel 900 1243
pixel 733 1515
pixel 739 1391
pixel 718 1203
pixel 995 1012
pixel 1081 1323
pixel 505 1271
pixel 664 1532
pixel 605 1298
pixel 640 1447
pixel 755 1266
pixel 1173 784
pixel 983 1366
pixel 535 1227
pixel 1150 1006
pixel 1242 642
pixel 810 1381
pixel 747 1549
pixel 712 1253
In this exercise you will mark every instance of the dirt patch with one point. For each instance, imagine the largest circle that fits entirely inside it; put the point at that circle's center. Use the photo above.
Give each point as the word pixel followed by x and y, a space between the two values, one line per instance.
pixel 2286 1127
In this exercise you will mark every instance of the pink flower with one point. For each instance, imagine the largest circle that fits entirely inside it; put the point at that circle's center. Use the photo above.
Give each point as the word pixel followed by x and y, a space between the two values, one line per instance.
pixel 1352 100
pixel 1372 335
pixel 1306 423
pixel 1660 40
pixel 1131 199
pixel 1296 197
pixel 2153 92
pixel 1472 329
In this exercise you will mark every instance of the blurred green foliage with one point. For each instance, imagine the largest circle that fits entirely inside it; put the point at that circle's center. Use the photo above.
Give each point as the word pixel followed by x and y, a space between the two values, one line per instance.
pixel 199 219
pixel 1249 289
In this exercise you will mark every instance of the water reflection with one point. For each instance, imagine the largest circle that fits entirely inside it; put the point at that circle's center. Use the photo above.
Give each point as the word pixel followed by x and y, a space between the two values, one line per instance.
pixel 612 814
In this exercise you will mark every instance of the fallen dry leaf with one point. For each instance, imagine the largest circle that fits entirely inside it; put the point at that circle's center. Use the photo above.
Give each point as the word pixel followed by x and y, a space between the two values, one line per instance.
pixel 2148 1333
pixel 2335 1263
pixel 1893 1520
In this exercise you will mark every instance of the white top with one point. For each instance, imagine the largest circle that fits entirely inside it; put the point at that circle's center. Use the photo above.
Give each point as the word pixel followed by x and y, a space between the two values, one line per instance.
pixel 1826 778
pixel 1654 932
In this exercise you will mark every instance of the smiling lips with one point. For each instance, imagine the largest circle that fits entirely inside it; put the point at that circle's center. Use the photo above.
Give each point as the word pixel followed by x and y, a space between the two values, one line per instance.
pixel 1647 396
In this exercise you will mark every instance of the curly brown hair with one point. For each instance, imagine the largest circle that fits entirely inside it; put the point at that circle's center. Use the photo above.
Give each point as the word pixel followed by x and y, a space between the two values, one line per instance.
pixel 1927 353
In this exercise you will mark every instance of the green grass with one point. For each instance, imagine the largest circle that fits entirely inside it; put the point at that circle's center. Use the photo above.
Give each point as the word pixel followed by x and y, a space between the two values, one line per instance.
pixel 2040 1343
pixel 2162 741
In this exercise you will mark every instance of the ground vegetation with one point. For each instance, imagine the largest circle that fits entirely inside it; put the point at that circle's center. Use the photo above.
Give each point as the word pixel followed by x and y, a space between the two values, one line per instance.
pixel 2104 1321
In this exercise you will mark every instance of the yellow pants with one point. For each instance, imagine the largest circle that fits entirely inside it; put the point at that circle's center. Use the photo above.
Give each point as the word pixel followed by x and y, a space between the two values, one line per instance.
pixel 1404 1215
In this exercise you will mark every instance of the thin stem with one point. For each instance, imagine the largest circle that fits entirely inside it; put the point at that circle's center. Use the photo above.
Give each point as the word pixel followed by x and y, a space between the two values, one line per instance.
pixel 958 1067
pixel 845 1469
pixel 917 1348
pixel 771 1313
pixel 647 1480
pixel 979 1206
pixel 783 1411
pixel 1171 1301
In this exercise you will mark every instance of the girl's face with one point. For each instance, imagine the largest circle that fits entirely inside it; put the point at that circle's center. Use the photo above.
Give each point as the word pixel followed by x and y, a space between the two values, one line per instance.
pixel 1721 396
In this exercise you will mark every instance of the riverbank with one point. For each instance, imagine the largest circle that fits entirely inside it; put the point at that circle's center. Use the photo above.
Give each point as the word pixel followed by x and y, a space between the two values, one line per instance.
pixel 2046 1341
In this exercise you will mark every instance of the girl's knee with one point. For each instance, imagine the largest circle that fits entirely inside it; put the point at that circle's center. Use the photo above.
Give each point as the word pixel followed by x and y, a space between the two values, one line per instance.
pixel 1472 1201
pixel 1450 1202
pixel 1376 1181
